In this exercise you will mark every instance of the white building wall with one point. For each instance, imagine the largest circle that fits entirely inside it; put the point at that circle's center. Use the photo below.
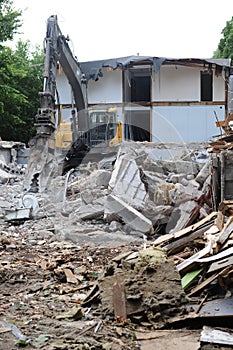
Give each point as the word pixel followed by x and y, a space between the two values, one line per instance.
pixel 107 89
pixel 218 88
pixel 185 123
pixel 171 84
pixel 176 83
pixel 182 84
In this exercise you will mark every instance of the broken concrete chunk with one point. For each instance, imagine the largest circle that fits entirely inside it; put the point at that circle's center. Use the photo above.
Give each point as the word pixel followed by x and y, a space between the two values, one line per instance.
pixel 97 181
pixel 151 181
pixel 158 214
pixel 174 178
pixel 181 216
pixel 153 165
pixel 90 211
pixel 116 208
pixel 190 177
pixel 194 183
pixel 203 173
pixel 150 257
pixel 126 182
pixel 5 177
pixel 92 196
pixel 102 177
pixel 162 196
pixel 181 193
pixel 180 167
pixel 114 226
pixel 17 215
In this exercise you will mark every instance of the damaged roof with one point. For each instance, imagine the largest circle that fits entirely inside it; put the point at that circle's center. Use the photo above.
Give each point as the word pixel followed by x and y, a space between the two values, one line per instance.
pixel 92 69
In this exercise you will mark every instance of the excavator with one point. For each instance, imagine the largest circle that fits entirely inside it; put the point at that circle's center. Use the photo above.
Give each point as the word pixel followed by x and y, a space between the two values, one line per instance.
pixel 58 145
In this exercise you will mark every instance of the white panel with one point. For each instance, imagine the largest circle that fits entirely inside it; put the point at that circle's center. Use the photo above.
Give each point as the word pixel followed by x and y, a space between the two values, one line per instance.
pixel 107 89
pixel 185 123
pixel 176 83
pixel 219 88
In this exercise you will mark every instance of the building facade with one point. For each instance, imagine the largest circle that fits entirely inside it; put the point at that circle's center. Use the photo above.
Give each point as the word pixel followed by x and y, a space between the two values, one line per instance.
pixel 157 99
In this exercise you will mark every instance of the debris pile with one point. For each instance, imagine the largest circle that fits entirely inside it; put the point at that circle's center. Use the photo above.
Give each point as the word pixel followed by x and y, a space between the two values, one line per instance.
pixel 116 255
pixel 139 194
pixel 144 286
pixel 202 252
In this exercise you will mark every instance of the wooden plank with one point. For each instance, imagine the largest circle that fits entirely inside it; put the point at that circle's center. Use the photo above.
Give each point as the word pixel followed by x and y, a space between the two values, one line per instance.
pixel 226 207
pixel 119 302
pixel 220 123
pixel 193 215
pixel 208 281
pixel 219 221
pixel 221 264
pixel 179 244
pixel 222 254
pixel 172 236
pixel 226 231
pixel 186 264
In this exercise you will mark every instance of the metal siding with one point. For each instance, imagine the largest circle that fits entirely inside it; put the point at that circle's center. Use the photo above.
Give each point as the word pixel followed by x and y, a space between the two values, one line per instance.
pixel 185 123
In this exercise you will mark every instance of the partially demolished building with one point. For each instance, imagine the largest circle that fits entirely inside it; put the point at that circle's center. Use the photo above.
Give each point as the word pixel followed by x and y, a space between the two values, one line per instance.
pixel 150 240
pixel 172 100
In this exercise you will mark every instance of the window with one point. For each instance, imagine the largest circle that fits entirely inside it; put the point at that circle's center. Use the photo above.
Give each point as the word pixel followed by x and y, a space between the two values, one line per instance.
pixel 207 86
pixel 137 85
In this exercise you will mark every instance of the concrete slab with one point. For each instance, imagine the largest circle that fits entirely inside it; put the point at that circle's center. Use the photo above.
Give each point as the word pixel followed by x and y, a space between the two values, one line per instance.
pixel 117 208
pixel 126 182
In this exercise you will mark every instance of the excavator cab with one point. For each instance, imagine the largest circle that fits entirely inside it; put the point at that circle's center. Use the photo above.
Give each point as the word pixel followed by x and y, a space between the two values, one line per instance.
pixel 98 142
pixel 103 126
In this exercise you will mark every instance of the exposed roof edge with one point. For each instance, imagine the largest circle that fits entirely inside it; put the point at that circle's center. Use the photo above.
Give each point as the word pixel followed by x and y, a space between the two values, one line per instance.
pixel 92 69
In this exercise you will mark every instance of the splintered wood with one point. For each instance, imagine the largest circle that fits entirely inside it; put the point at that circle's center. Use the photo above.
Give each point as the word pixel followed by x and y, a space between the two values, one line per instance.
pixel 119 302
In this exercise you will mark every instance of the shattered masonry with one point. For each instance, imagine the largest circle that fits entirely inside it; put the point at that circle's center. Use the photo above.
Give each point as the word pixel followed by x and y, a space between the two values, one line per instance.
pixel 142 243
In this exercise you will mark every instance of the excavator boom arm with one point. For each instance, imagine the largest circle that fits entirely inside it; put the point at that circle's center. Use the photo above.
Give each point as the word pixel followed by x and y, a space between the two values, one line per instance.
pixel 42 161
pixel 57 51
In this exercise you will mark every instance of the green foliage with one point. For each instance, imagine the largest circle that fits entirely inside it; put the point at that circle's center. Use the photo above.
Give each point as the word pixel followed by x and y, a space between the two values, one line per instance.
pixel 225 46
pixel 20 80
pixel 9 20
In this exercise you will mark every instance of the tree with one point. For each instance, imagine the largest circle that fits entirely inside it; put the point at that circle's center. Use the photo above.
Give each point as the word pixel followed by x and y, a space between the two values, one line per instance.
pixel 9 20
pixel 19 91
pixel 225 46
pixel 20 79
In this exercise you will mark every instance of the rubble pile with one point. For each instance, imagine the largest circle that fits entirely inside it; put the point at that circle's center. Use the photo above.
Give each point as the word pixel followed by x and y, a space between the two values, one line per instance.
pixel 140 195
pixel 119 254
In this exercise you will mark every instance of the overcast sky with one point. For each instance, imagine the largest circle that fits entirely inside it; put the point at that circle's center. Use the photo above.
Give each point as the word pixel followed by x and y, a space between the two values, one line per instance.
pixel 101 29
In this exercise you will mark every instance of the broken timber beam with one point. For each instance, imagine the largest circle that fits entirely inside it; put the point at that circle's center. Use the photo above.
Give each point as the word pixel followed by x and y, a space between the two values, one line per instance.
pixel 226 231
pixel 119 302
pixel 179 244
pixel 209 280
pixel 173 236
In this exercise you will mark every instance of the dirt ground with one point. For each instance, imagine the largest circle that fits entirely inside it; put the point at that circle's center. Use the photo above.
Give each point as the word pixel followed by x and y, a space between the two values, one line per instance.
pixel 59 295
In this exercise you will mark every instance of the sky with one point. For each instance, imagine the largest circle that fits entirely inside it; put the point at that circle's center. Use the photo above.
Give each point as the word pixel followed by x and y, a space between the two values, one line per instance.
pixel 101 29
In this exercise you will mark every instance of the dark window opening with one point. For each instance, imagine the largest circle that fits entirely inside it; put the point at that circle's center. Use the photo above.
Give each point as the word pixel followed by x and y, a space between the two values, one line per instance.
pixel 207 86
pixel 137 85
pixel 137 126
pixel 140 89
